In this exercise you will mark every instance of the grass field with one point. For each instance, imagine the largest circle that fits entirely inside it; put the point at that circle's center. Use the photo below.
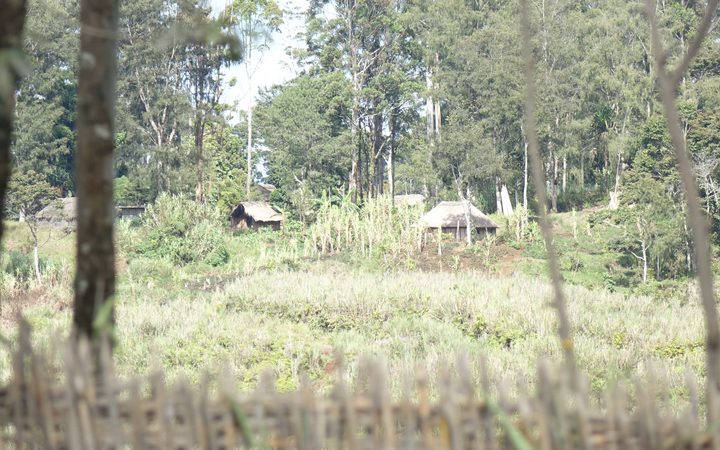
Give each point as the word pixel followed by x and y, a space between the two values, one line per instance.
pixel 291 315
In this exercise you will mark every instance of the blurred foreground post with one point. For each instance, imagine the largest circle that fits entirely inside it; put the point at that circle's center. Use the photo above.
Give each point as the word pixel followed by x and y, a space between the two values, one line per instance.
pixel 667 82
pixel 12 22
pixel 95 277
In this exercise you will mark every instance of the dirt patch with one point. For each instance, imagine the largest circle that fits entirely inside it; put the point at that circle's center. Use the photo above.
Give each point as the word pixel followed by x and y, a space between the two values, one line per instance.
pixel 456 256
pixel 15 301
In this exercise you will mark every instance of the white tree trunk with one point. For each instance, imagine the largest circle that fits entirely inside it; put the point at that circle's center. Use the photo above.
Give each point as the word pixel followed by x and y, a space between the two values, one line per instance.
pixel 645 261
pixel 525 176
pixel 248 183
pixel 507 208
pixel 36 261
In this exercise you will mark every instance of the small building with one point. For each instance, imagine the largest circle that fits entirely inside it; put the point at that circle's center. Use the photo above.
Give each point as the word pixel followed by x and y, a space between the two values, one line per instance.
pixel 265 189
pixel 60 213
pixel 255 215
pixel 449 217
pixel 409 200
pixel 129 212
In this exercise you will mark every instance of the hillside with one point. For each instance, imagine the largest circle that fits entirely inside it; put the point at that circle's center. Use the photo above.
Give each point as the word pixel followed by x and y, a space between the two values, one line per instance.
pixel 270 308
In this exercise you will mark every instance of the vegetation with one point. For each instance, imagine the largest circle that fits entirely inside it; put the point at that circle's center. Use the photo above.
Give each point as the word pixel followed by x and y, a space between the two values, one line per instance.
pixel 289 318
pixel 414 96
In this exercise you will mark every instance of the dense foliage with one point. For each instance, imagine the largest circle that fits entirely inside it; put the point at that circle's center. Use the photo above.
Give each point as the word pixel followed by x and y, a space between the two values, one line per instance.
pixel 177 229
pixel 392 96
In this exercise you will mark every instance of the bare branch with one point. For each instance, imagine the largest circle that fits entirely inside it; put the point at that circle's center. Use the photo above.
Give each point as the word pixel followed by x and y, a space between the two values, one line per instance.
pixel 538 177
pixel 695 44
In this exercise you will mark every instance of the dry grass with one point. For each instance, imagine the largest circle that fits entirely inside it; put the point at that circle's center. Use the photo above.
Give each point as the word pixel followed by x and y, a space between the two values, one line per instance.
pixel 290 322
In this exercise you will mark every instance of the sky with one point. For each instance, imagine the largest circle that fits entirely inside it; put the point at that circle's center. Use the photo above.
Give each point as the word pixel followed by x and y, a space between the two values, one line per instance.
pixel 274 66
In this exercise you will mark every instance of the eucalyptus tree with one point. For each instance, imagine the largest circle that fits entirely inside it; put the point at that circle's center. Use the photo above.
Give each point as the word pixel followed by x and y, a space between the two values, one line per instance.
pixel 203 55
pixel 153 108
pixel 253 21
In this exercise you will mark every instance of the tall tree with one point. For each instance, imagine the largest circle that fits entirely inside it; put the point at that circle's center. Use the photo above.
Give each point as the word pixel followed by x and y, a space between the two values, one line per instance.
pixel 254 21
pixel 152 105
pixel 203 57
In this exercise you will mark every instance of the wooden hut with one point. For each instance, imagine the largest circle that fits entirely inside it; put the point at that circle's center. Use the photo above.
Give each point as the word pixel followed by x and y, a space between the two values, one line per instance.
pixel 449 217
pixel 129 212
pixel 255 215
pixel 265 189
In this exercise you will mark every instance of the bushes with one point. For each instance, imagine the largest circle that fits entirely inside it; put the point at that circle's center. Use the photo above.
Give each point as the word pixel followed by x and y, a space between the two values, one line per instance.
pixel 182 231
pixel 20 265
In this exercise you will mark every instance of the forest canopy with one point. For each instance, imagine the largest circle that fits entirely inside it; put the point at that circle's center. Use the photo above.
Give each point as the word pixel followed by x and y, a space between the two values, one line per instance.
pixel 390 97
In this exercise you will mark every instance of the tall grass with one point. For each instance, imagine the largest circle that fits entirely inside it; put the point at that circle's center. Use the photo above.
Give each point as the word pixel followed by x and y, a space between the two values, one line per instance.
pixel 375 228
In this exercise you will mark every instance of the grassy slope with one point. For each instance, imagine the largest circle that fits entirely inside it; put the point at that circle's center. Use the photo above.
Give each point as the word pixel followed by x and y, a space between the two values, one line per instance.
pixel 290 318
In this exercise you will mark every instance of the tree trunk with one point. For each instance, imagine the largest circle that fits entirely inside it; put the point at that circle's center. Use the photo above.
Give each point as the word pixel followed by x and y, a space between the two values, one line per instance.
pixel 554 183
pixel 36 260
pixel 507 208
pixel 377 156
pixel 615 194
pixel 525 176
pixel 564 173
pixel 12 22
pixel 95 276
pixel 200 169
pixel 438 112
pixel 429 108
pixel 391 160
pixel 249 181
pixel 356 169
pixel 644 260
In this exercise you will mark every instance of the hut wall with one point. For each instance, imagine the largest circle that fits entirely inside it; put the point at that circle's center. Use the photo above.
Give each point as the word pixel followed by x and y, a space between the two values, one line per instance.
pixel 274 225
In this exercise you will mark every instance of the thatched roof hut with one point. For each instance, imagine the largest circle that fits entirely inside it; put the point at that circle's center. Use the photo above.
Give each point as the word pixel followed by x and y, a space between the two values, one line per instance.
pixel 255 215
pixel 449 217
pixel 60 213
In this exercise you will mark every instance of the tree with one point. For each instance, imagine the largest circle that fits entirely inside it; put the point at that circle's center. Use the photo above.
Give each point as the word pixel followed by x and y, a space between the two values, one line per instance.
pixel 304 123
pixel 29 194
pixel 95 276
pixel 152 107
pixel 254 22
pixel 46 101
pixel 203 57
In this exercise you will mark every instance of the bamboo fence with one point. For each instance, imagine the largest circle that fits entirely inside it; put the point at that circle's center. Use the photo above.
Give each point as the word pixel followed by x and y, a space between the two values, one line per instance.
pixel 84 405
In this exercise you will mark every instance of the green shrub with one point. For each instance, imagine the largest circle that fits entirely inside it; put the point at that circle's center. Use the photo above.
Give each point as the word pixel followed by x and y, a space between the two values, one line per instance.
pixel 20 265
pixel 183 231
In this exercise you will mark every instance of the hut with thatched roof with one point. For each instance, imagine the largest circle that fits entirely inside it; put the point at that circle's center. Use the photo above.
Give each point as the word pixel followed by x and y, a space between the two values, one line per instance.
pixel 449 217
pixel 255 215
pixel 60 213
